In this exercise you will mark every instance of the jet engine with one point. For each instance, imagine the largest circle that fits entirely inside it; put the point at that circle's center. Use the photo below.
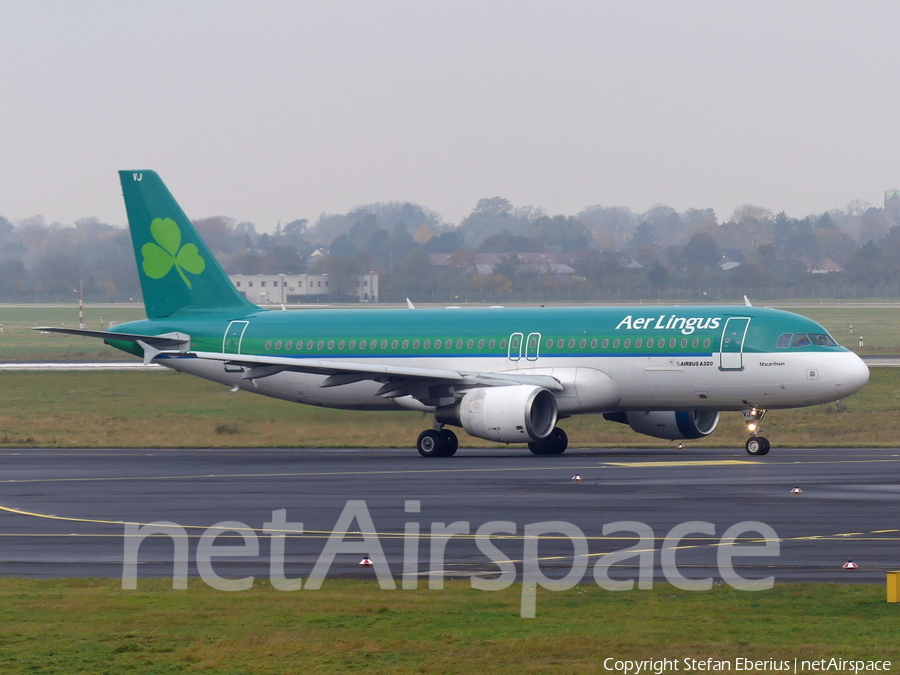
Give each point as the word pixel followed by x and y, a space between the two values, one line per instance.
pixel 671 424
pixel 514 414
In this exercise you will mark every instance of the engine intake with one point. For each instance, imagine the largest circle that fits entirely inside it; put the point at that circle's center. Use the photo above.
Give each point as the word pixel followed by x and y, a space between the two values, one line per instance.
pixel 514 414
pixel 671 424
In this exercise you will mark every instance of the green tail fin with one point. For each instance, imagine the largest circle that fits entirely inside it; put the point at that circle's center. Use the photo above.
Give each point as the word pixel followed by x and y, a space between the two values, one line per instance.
pixel 177 271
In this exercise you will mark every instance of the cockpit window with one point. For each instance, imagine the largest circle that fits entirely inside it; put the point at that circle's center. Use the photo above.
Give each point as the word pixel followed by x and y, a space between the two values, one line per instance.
pixel 822 339
pixel 801 340
pixel 784 341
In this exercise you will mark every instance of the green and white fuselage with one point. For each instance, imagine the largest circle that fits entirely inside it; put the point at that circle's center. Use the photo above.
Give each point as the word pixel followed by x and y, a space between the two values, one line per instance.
pixel 504 374
pixel 729 362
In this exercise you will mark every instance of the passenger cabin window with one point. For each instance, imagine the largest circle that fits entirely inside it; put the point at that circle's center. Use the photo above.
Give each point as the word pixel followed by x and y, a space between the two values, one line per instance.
pixel 415 344
pixel 492 344
pixel 627 343
pixel 784 341
pixel 384 344
pixel 503 344
pixel 560 343
pixel 427 344
pixel 549 343
pixel 393 344
pixel 406 344
pixel 637 343
pixel 707 342
pixel 288 344
pixel 341 344
pixel 470 344
pixel 268 344
pixel 459 344
pixel 594 343
pixel 605 344
pixel 309 344
pixel 801 340
pixel 672 343
pixel 481 344
pixel 331 344
pixel 582 344
pixel 615 344
pixel 352 344
pixel 649 343
pixel 571 344
pixel 320 344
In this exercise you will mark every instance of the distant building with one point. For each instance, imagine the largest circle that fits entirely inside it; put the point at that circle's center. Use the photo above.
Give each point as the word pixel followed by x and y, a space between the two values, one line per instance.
pixel 822 266
pixel 892 204
pixel 546 264
pixel 278 289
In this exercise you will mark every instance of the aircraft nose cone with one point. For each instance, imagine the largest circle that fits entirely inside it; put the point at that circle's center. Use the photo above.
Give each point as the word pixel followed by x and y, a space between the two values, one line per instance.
pixel 850 373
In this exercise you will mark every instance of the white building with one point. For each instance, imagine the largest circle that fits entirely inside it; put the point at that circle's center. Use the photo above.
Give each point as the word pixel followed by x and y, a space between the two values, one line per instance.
pixel 278 289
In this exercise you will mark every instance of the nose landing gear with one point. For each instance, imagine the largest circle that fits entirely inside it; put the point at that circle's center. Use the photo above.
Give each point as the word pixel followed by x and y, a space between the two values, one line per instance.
pixel 756 445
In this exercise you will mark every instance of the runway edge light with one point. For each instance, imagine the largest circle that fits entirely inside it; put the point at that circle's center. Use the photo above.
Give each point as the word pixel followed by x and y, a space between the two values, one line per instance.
pixel 850 565
pixel 893 587
pixel 365 562
pixel 796 490
pixel 576 478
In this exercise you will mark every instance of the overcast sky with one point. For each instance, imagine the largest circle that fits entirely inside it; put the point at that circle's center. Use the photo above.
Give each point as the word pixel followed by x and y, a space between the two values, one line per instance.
pixel 282 110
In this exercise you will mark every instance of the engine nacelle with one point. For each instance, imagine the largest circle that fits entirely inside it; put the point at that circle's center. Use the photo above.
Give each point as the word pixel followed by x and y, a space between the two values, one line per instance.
pixel 514 414
pixel 671 424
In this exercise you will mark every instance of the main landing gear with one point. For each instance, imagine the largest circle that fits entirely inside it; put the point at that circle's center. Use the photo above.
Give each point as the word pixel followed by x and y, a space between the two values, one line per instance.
pixel 555 444
pixel 756 444
pixel 437 443
pixel 441 442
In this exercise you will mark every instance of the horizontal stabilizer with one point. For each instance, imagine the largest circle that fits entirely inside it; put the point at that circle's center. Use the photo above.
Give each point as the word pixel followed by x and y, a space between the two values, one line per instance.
pixel 179 341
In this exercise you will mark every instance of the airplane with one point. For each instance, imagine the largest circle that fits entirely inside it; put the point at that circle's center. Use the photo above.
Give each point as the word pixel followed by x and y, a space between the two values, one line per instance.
pixel 502 374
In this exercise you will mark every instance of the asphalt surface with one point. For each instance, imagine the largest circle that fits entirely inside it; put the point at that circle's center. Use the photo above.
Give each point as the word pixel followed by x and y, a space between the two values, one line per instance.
pixel 63 511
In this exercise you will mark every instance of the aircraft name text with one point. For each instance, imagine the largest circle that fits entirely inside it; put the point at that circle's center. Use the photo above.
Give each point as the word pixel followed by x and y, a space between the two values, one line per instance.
pixel 662 322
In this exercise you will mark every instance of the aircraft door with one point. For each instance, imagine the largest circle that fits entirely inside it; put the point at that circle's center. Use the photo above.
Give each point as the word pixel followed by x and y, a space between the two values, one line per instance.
pixel 533 346
pixel 515 346
pixel 732 348
pixel 234 334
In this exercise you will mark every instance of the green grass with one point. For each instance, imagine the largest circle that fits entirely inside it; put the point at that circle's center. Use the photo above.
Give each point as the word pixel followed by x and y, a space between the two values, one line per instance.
pixel 92 626
pixel 19 343
pixel 170 410
pixel 879 327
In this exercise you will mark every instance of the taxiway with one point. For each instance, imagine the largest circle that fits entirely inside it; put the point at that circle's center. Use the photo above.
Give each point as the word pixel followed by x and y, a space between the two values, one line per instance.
pixel 63 511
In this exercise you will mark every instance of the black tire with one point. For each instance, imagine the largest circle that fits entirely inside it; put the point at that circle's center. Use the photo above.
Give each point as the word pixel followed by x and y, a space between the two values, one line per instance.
pixel 451 443
pixel 430 443
pixel 559 441
pixel 555 444
pixel 538 447
pixel 757 446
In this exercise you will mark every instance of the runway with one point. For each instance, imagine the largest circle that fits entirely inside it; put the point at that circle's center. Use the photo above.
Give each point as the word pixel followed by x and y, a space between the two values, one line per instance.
pixel 63 511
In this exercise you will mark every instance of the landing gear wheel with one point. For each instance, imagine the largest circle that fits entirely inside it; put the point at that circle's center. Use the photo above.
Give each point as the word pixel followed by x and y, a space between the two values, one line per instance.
pixel 430 443
pixel 757 445
pixel 451 443
pixel 555 444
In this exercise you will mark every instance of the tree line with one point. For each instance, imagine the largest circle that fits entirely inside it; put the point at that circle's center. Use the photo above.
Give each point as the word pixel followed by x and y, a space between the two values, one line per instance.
pixel 609 251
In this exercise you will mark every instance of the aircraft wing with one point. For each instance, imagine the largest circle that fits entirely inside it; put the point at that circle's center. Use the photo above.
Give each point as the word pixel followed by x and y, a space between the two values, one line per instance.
pixel 339 372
